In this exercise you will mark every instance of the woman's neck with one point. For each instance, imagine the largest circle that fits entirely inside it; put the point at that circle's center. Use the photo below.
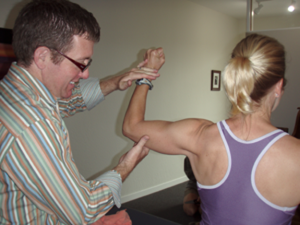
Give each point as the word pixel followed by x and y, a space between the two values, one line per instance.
pixel 252 126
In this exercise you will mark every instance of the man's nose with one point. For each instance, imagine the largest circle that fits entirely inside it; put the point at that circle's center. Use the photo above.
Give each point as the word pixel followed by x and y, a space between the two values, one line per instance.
pixel 85 74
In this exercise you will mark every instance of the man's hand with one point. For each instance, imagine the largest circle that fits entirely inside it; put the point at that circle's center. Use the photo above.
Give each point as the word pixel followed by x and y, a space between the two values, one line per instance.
pixel 131 158
pixel 124 81
pixel 155 57
pixel 135 74
pixel 153 61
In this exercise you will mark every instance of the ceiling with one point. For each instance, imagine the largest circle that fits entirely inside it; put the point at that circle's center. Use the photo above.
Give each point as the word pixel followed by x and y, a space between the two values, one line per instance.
pixel 238 8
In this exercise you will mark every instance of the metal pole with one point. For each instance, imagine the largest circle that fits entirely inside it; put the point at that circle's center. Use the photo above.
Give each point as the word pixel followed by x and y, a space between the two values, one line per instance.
pixel 249 16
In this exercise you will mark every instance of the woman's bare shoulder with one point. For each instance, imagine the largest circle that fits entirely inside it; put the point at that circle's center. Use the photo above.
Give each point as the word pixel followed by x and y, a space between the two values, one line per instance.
pixel 289 142
pixel 196 126
pixel 195 131
pixel 207 133
pixel 288 148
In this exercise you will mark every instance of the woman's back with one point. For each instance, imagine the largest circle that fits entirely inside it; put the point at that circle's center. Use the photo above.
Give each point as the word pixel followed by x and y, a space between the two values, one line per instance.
pixel 226 190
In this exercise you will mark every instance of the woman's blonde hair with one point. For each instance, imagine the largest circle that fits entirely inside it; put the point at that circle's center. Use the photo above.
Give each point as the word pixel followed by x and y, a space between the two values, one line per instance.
pixel 257 63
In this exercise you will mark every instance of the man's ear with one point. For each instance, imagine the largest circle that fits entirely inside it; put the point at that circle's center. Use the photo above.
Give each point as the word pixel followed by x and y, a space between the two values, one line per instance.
pixel 41 57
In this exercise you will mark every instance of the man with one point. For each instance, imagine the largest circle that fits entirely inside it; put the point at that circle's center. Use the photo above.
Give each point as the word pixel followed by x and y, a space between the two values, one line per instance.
pixel 39 181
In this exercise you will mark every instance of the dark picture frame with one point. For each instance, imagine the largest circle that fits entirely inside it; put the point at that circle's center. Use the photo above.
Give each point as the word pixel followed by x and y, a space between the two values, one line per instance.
pixel 7 55
pixel 215 80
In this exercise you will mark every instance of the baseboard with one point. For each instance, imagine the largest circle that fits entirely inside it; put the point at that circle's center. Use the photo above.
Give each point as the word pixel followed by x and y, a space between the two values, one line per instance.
pixel 153 189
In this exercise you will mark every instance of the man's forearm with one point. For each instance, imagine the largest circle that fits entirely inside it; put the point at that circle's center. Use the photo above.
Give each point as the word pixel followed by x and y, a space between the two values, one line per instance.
pixel 133 157
pixel 109 85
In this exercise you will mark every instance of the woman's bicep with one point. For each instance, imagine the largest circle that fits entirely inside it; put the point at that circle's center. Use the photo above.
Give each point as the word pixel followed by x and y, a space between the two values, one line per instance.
pixel 175 138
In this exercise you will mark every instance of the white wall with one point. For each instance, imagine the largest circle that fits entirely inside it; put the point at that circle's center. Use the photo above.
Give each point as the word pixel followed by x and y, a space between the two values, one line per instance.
pixel 272 22
pixel 196 40
pixel 276 22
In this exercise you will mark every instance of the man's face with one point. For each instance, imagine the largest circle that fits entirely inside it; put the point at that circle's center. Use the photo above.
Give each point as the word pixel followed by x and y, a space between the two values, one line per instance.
pixel 60 78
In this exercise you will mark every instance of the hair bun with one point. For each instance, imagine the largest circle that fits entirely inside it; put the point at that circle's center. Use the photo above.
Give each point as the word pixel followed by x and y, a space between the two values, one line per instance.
pixel 239 83
pixel 257 64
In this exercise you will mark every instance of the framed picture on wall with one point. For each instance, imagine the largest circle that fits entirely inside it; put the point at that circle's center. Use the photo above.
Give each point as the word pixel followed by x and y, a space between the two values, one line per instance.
pixel 7 55
pixel 215 80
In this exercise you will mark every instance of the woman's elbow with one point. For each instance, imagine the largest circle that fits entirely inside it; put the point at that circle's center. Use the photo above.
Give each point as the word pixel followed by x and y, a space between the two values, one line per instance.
pixel 127 129
pixel 131 130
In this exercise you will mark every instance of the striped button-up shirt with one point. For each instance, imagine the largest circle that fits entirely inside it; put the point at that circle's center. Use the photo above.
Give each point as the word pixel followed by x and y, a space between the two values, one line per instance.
pixel 39 181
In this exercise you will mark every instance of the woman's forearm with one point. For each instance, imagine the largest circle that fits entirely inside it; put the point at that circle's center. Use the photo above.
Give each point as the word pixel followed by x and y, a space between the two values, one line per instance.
pixel 135 112
pixel 132 125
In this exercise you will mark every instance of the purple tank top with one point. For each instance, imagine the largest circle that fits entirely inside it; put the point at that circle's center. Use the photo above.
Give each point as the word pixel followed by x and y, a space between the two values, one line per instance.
pixel 235 200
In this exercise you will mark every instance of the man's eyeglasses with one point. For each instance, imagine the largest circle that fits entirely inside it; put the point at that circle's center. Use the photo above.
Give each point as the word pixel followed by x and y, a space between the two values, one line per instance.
pixel 82 67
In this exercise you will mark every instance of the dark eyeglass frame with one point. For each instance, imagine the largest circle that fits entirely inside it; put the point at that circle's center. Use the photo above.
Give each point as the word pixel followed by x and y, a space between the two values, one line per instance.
pixel 81 66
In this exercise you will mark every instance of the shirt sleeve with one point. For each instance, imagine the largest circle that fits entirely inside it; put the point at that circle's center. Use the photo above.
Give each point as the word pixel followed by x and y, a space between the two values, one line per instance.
pixel 114 181
pixel 91 92
pixel 85 95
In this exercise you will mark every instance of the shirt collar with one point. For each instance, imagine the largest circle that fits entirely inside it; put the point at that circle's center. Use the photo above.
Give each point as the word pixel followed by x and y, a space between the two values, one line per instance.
pixel 36 85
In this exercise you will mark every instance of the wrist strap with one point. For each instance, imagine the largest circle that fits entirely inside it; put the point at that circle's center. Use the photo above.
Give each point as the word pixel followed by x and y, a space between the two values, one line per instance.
pixel 144 81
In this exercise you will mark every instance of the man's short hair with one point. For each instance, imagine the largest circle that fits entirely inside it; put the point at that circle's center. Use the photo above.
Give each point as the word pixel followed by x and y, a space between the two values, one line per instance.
pixel 51 23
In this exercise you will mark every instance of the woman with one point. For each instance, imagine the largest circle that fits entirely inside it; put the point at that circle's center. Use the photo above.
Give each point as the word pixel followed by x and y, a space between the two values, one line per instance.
pixel 247 170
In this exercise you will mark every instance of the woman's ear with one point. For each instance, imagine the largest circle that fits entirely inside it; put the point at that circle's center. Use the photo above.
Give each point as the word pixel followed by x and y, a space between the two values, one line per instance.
pixel 41 57
pixel 278 87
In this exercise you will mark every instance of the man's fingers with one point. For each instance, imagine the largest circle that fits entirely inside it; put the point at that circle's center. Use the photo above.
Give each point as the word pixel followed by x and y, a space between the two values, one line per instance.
pixel 146 150
pixel 146 69
pixel 143 63
pixel 136 75
pixel 129 83
pixel 150 73
pixel 142 142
